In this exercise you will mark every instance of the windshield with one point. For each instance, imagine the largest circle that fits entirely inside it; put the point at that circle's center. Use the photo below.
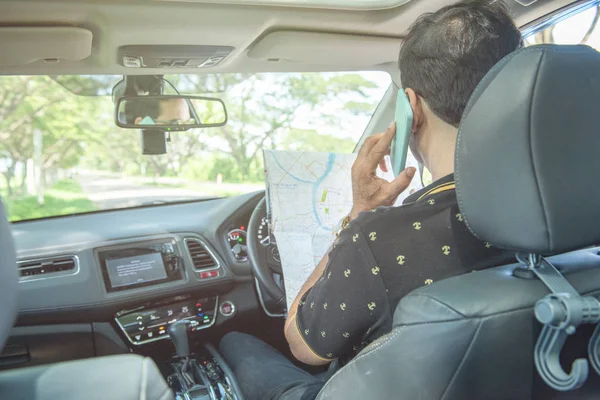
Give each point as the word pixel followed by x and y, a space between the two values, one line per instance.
pixel 61 152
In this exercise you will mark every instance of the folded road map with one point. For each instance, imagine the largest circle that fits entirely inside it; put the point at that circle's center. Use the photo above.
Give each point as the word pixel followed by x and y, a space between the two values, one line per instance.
pixel 308 195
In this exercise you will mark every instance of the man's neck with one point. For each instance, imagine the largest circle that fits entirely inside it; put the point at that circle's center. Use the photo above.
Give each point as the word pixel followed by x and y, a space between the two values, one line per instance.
pixel 441 151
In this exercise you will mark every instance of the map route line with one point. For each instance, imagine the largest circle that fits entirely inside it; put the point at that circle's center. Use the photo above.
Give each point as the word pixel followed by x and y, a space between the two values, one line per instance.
pixel 328 167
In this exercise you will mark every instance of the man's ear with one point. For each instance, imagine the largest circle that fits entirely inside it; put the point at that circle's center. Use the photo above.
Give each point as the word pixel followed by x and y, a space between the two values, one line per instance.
pixel 417 108
pixel 137 120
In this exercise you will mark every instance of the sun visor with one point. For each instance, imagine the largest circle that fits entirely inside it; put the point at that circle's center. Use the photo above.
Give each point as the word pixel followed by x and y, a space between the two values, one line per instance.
pixel 26 45
pixel 325 48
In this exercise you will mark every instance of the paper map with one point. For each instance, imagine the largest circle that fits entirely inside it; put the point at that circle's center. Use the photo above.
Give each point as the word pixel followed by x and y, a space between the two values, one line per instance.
pixel 308 194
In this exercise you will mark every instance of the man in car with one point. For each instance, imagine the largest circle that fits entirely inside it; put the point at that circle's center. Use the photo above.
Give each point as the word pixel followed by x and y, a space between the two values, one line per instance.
pixel 382 252
pixel 152 111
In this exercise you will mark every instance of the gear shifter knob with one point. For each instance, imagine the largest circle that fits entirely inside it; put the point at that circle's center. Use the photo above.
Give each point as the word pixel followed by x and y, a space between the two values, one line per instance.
pixel 179 335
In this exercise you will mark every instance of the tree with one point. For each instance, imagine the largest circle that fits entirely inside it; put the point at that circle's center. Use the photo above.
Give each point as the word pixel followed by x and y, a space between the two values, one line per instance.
pixel 268 106
pixel 288 111
pixel 311 140
pixel 18 110
pixel 66 121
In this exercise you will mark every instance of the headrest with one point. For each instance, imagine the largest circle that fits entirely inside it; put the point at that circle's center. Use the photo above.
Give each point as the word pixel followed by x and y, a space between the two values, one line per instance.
pixel 8 278
pixel 528 151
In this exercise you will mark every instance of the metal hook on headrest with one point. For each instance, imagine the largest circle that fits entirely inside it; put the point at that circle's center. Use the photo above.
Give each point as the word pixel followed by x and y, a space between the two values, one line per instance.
pixel 560 315
pixel 594 349
pixel 546 355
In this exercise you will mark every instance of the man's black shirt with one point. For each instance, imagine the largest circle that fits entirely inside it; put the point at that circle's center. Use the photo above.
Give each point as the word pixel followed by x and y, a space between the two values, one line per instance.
pixel 380 257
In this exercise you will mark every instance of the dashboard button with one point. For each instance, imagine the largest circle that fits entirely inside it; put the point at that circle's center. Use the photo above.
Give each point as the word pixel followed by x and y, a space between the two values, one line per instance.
pixel 154 317
pixel 227 309
pixel 209 274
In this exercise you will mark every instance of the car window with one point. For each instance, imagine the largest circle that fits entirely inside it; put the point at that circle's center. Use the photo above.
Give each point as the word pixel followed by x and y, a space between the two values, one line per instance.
pixel 61 152
pixel 576 25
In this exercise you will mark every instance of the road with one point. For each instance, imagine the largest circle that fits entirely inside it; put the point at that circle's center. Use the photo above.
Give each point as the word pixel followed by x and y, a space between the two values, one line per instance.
pixel 109 192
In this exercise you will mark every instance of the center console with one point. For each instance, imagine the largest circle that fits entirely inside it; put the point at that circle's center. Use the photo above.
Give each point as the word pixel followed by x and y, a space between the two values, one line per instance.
pixel 198 376
pixel 131 268
pixel 150 322
pixel 201 377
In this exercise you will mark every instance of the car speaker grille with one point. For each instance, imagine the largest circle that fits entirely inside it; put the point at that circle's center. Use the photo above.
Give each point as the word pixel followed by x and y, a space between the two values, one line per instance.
pixel 200 255
pixel 47 267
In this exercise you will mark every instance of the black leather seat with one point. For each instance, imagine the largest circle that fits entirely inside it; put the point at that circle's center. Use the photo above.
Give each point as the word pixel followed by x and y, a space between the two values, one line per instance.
pixel 124 377
pixel 527 162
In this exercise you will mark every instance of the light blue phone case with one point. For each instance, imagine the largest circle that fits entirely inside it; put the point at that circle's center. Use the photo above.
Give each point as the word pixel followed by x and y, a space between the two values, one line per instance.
pixel 399 147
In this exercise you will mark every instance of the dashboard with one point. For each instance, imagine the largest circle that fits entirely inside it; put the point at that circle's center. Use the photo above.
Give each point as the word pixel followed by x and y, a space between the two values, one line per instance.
pixel 139 269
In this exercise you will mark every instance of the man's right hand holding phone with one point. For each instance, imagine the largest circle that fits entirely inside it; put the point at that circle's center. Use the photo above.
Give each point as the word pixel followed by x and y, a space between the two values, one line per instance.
pixel 368 190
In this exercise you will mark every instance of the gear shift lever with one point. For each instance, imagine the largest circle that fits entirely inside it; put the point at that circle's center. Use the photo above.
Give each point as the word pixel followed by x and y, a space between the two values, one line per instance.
pixel 179 336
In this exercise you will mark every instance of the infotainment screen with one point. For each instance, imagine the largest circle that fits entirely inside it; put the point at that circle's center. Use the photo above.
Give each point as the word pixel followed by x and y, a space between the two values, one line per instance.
pixel 136 270
pixel 140 264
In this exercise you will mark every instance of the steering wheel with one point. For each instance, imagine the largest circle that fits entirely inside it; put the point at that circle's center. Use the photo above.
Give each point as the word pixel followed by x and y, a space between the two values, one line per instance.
pixel 263 253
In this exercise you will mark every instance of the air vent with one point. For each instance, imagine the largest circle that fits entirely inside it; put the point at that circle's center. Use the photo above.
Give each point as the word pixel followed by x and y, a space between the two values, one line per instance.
pixel 201 256
pixel 51 267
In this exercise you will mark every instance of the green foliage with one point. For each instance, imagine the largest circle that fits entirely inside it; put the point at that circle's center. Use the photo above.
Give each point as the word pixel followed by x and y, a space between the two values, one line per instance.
pixel 65 197
pixel 311 140
pixel 303 112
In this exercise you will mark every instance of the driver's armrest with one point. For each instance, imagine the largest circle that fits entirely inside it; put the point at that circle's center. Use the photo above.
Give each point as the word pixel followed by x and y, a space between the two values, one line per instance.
pixel 122 377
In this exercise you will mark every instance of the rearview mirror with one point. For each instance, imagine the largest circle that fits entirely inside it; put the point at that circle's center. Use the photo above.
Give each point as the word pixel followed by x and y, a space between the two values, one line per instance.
pixel 169 113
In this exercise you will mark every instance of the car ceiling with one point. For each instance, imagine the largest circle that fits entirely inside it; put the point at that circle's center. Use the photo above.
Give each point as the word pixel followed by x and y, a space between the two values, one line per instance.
pixel 309 39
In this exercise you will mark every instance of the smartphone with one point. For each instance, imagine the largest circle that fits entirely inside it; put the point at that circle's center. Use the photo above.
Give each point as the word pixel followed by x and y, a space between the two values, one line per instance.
pixel 404 120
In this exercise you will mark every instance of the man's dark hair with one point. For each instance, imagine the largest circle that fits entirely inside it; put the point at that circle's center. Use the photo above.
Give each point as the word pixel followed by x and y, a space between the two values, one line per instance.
pixel 148 107
pixel 447 53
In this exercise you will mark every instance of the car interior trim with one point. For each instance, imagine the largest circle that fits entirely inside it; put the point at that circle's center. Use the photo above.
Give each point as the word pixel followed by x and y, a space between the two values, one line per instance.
pixel 44 259
pixel 262 302
pixel 208 250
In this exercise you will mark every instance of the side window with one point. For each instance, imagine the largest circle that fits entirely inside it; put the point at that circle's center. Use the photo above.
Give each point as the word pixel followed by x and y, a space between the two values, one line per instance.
pixel 577 25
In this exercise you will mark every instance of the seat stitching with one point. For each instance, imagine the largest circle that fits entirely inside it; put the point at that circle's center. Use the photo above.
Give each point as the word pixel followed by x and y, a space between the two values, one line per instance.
pixel 462 361
pixel 144 380
pixel 437 301
pixel 590 292
pixel 532 156
pixel 378 346
pixel 466 318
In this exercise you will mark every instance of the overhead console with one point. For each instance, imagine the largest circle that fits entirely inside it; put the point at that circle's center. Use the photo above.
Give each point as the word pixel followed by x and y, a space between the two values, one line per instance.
pixel 171 56
pixel 141 264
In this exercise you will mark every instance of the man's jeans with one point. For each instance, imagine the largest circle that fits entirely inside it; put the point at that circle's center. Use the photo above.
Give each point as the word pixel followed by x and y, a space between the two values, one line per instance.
pixel 263 373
